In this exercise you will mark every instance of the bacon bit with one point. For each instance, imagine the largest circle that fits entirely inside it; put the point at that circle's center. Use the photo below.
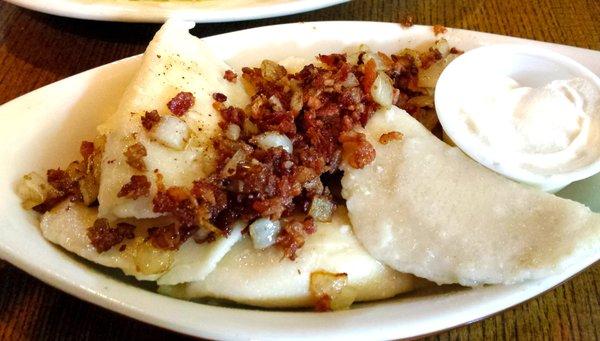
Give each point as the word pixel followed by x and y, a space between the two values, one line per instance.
pixel 86 149
pixel 230 76
pixel 323 303
pixel 103 237
pixel 160 185
pixel 333 60
pixel 169 200
pixel 454 50
pixel 178 202
pixel 135 156
pixel 439 29
pixel 219 97
pixel 369 76
pixel 61 181
pixel 230 115
pixel 430 57
pixel 292 236
pixel 122 248
pixel 387 61
pixel 356 150
pixel 407 21
pixel 138 186
pixel 66 188
pixel 166 237
pixel 390 136
pixel 181 103
pixel 150 119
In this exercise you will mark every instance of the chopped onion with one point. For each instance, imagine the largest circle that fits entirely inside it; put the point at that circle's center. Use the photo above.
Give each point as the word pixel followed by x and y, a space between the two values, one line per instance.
pixel 321 209
pixel 275 103
pixel 273 139
pixel 33 189
pixel 150 260
pixel 271 70
pixel 231 166
pixel 264 232
pixel 428 77
pixel 421 101
pixel 233 132
pixel 297 101
pixel 350 81
pixel 379 63
pixel 250 128
pixel 334 287
pixel 171 132
pixel 442 46
pixel 413 54
pixel 382 90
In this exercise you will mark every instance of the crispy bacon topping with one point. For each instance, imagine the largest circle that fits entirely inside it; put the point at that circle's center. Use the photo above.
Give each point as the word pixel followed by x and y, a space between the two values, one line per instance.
pixel 293 235
pixel 356 150
pixel 454 50
pixel 323 303
pixel 407 21
pixel 230 76
pixel 103 236
pixel 219 97
pixel 150 119
pixel 177 202
pixel 439 29
pixel 181 103
pixel 138 186
pixel 168 237
pixel 135 156
pixel 86 150
pixel 369 76
pixel 79 182
pixel 429 58
pixel 390 136
pixel 282 158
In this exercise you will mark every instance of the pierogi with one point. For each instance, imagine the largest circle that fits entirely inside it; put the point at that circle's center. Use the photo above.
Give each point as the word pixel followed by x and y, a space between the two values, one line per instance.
pixel 423 207
pixel 262 278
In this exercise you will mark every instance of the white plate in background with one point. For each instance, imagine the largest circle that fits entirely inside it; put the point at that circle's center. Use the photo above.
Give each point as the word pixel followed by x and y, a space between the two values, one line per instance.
pixel 43 128
pixel 157 11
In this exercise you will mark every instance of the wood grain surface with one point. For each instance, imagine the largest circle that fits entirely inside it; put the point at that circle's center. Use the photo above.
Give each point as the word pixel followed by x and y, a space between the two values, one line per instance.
pixel 38 49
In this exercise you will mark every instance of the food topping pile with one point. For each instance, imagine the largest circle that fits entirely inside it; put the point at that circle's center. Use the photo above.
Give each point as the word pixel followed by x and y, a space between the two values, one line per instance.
pixel 279 158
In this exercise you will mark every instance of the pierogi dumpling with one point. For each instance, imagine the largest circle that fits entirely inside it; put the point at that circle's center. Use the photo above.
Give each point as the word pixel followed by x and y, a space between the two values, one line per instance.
pixel 67 225
pixel 425 208
pixel 179 147
pixel 265 278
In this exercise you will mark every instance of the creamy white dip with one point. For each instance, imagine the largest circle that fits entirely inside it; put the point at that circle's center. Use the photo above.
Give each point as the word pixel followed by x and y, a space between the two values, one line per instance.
pixel 546 130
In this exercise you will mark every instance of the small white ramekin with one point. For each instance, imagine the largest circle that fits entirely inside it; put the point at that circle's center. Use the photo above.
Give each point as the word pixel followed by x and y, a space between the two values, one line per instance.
pixel 529 66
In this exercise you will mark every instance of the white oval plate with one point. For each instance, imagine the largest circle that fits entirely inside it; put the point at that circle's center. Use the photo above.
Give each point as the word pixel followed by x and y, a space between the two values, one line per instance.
pixel 205 11
pixel 42 129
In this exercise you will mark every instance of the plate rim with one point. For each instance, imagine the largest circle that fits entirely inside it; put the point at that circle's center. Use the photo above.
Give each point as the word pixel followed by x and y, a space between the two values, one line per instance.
pixel 123 308
pixel 120 12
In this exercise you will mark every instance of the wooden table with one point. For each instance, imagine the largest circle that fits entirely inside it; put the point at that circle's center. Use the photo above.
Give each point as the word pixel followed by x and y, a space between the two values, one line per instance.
pixel 38 49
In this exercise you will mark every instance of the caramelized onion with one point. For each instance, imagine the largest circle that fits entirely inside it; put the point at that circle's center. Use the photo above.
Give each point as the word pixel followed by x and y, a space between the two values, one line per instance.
pixel 33 189
pixel 149 260
pixel 331 291
pixel 382 90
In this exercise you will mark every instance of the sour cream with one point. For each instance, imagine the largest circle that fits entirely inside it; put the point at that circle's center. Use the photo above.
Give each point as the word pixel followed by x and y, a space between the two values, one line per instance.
pixel 545 130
